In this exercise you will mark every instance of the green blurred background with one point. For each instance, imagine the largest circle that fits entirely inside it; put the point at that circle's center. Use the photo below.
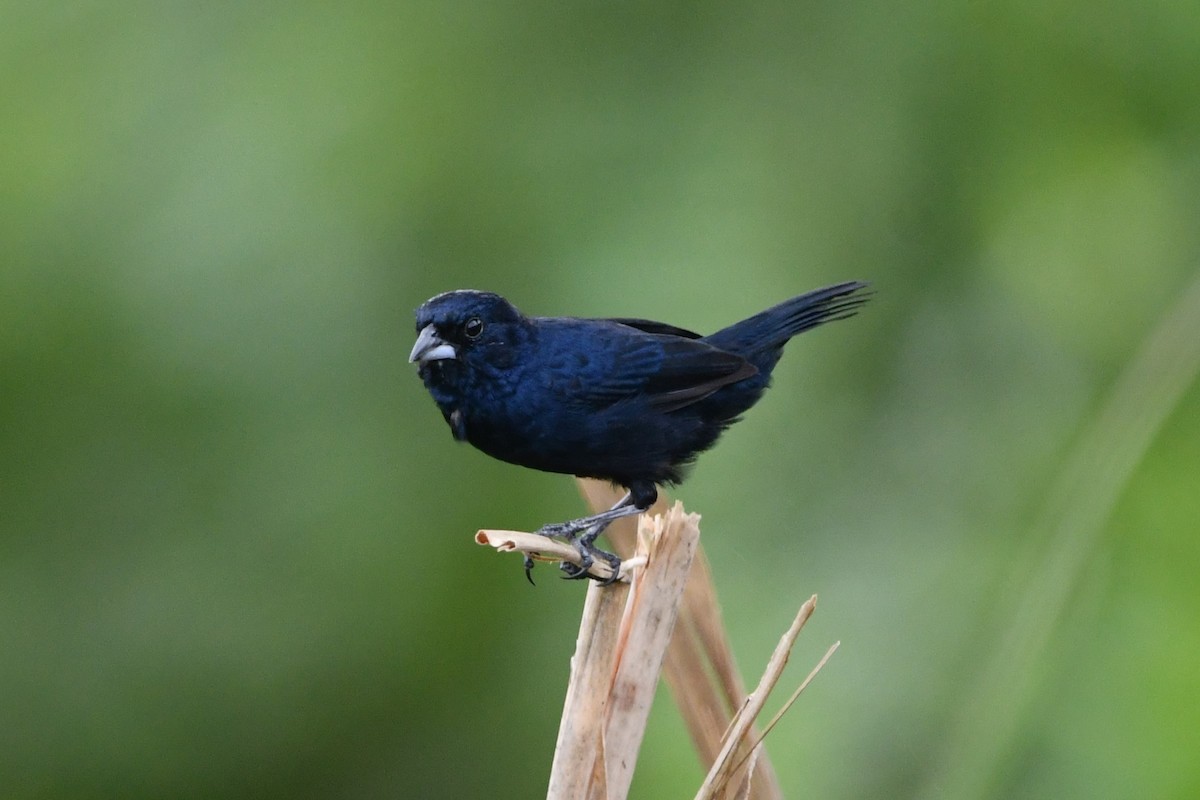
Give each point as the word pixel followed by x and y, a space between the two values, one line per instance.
pixel 235 535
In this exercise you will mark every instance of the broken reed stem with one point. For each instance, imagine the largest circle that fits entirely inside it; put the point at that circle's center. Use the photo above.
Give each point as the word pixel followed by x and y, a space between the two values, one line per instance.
pixel 627 631
pixel 728 775
pixel 622 641
pixel 700 669
pixel 796 694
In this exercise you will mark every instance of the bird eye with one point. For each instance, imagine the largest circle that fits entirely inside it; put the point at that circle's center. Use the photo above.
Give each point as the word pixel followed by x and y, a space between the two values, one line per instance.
pixel 473 328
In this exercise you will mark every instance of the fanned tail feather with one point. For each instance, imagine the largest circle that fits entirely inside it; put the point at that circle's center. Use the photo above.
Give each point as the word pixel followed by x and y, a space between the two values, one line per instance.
pixel 771 329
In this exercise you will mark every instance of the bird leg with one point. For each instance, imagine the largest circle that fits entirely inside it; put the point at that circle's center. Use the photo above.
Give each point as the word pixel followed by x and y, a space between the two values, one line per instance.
pixel 571 529
pixel 582 533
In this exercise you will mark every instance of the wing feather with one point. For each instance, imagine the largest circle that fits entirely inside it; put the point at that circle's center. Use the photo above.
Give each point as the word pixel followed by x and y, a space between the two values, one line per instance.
pixel 618 361
pixel 650 326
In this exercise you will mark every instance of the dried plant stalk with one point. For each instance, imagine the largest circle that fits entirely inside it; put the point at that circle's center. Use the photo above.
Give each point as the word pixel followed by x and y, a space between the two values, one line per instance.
pixel 728 776
pixel 576 771
pixel 666 618
pixel 619 653
pixel 699 669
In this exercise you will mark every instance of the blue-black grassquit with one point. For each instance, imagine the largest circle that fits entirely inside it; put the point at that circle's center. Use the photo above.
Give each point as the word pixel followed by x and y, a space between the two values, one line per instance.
pixel 630 401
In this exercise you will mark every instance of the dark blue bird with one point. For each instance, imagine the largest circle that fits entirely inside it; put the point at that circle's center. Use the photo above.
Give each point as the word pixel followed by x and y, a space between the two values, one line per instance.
pixel 630 401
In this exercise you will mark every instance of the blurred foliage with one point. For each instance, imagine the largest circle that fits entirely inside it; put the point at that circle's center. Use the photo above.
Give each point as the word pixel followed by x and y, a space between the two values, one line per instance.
pixel 235 536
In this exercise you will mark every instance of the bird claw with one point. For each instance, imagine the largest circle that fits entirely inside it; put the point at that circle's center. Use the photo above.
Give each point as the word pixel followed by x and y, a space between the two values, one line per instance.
pixel 572 572
pixel 614 561
pixel 587 553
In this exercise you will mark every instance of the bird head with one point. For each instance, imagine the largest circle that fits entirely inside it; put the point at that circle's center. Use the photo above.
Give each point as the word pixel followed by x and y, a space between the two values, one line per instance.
pixel 466 349
pixel 465 328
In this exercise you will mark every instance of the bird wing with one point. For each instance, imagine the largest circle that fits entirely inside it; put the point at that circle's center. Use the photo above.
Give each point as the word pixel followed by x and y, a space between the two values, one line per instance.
pixel 668 370
pixel 650 326
pixel 692 370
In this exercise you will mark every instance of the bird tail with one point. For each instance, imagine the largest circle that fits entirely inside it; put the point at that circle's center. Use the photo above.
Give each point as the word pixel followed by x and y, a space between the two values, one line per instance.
pixel 771 329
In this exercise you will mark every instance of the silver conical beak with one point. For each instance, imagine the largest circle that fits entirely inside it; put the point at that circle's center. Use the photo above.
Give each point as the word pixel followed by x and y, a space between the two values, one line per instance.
pixel 431 347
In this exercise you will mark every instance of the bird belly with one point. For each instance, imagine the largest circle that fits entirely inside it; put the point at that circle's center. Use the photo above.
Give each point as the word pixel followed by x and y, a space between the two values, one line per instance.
pixel 616 444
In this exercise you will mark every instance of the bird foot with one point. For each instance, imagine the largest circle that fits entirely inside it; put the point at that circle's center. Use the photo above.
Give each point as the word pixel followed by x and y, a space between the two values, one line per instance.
pixel 588 554
pixel 581 533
